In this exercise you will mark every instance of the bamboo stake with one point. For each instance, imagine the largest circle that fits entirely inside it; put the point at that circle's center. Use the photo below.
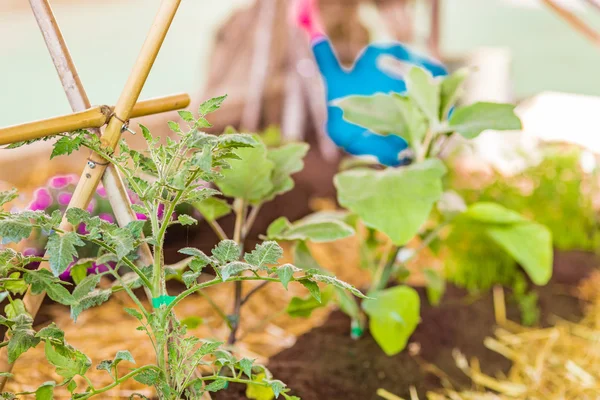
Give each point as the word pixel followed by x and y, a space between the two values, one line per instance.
pixel 94 117
pixel 575 22
pixel 94 170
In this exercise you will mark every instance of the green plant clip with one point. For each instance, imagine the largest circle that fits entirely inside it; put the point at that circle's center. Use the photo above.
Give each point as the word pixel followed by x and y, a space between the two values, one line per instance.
pixel 356 330
pixel 162 301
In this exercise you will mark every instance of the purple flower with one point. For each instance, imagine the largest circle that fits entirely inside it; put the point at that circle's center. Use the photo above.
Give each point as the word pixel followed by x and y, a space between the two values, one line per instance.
pixel 42 199
pixel 107 217
pixel 101 191
pixel 64 198
pixel 91 206
pixel 60 181
pixel 141 217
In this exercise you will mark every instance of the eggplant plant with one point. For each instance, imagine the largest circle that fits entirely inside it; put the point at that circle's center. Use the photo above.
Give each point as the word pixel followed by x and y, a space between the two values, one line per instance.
pixel 414 200
pixel 163 177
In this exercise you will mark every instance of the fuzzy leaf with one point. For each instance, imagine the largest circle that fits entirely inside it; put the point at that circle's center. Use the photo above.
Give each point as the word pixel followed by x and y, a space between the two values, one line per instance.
pixel 67 360
pixel 7 197
pixel 94 298
pixel 43 281
pixel 287 161
pixel 66 145
pixel 45 391
pixel 234 268
pixel 425 92
pixel 20 341
pixel 62 250
pixel 267 253
pixel 396 201
pixel 186 220
pixel 226 251
pixel 211 105
pixel 14 229
pixel 450 91
pixel 471 120
pixel 312 287
pixel 286 273
pixel 330 280
pixel 121 240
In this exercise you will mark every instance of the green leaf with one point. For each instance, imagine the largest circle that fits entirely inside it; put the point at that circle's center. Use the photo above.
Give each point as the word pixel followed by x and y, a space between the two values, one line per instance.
pixel 425 92
pixel 15 308
pixel 285 274
pixel 204 159
pixel 62 250
pixel 393 317
pixel 277 227
pixel 45 391
pixel 211 105
pixel 174 126
pixel 264 254
pixel 190 278
pixel 216 385
pixel 316 231
pixel 43 281
pixel 186 116
pixel 68 361
pixel 186 220
pixel 277 387
pixel 250 177
pixel 313 288
pixel 94 298
pixel 287 161
pixel 134 313
pixel 245 365
pixel 234 268
pixel 212 208
pixel 8 196
pixel 529 243
pixel 450 91
pixel 14 229
pixel 123 355
pixel 304 259
pixel 395 201
pixel 303 307
pixel 18 286
pixel 226 251
pixel 121 240
pixel 66 145
pixel 21 340
pixel 471 120
pixel 51 332
pixel 149 377
pixel 436 286
pixel 331 280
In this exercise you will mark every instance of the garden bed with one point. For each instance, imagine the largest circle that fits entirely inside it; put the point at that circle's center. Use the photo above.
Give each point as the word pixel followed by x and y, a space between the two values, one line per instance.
pixel 327 364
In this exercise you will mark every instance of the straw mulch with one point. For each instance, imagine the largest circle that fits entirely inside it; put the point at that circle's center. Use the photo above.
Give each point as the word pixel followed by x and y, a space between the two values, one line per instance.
pixel 560 362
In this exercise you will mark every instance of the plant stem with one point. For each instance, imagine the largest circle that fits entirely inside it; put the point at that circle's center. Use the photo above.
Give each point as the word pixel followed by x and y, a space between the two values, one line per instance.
pixel 238 236
pixel 217 229
pixel 118 382
pixel 253 291
pixel 251 219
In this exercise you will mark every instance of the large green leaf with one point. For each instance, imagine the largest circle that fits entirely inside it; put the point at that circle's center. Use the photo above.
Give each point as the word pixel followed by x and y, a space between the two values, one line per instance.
pixel 14 228
pixel 314 230
pixel 287 161
pixel 393 316
pixel 529 243
pixel 212 208
pixel 425 92
pixel 395 201
pixel 471 120
pixel 250 177
pixel 67 360
pixel 386 114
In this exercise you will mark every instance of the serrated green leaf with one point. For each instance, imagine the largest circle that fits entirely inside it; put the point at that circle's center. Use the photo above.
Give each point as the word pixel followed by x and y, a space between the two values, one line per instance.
pixel 123 355
pixel 190 278
pixel 216 385
pixel 331 280
pixel 20 341
pixel 234 268
pixel 174 126
pixel 14 228
pixel 149 377
pixel 51 332
pixel 226 251
pixel 94 298
pixel 43 281
pixel 212 208
pixel 121 240
pixel 264 254
pixel 285 274
pixel 312 287
pixel 245 365
pixel 15 308
pixel 393 317
pixel 66 145
pixel 471 120
pixel 236 140
pixel 395 201
pixel 62 250
pixel 134 313
pixel 203 159
pixel 8 196
pixel 68 361
pixel 186 220
pixel 16 286
pixel 211 105
pixel 186 116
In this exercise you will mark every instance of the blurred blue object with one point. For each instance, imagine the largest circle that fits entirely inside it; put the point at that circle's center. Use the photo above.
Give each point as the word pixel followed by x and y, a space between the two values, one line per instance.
pixel 366 78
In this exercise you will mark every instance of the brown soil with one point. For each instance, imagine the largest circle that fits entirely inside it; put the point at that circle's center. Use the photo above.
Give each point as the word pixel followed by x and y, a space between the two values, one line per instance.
pixel 327 364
